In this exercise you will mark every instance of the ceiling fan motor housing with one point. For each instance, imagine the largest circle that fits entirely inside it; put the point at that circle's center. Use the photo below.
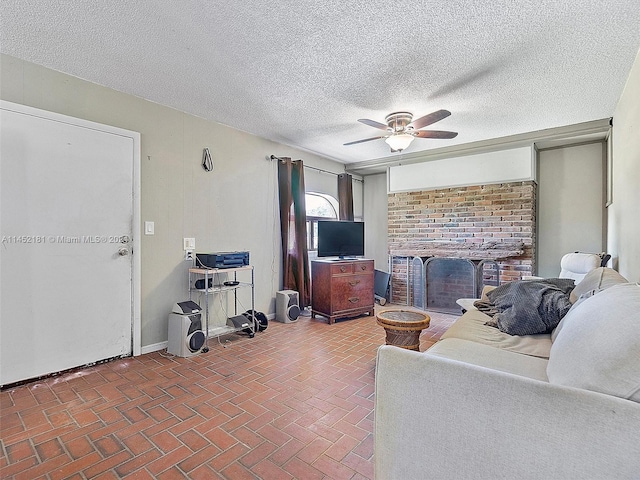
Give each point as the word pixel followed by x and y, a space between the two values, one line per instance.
pixel 398 121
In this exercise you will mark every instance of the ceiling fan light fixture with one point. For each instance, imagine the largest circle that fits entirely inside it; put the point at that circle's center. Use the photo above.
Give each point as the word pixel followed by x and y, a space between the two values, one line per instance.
pixel 399 141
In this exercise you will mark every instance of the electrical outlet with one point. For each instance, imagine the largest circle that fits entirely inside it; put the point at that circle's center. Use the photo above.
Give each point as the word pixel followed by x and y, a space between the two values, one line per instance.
pixel 189 244
pixel 188 255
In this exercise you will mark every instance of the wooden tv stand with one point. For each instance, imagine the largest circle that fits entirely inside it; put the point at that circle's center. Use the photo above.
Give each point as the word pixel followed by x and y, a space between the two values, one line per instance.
pixel 341 288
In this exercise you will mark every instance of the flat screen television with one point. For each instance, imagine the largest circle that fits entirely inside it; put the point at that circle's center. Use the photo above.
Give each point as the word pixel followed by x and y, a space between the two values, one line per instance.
pixel 340 239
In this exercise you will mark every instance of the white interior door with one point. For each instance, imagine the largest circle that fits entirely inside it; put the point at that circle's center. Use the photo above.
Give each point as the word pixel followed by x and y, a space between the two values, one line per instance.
pixel 67 213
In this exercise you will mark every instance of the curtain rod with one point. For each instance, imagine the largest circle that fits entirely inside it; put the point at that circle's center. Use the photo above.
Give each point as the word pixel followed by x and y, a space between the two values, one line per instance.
pixel 273 157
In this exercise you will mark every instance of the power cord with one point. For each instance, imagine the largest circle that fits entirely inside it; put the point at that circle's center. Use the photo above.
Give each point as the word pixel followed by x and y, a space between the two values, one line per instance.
pixel 225 342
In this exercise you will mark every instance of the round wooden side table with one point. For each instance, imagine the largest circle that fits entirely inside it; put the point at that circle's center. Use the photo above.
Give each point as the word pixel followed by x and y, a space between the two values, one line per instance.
pixel 403 327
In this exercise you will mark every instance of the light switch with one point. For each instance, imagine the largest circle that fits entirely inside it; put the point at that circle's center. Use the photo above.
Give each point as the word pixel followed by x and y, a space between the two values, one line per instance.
pixel 149 228
pixel 189 243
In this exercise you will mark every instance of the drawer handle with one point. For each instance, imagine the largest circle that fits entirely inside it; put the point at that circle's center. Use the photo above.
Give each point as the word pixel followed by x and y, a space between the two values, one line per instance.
pixel 354 299
pixel 353 283
pixel 363 267
pixel 343 269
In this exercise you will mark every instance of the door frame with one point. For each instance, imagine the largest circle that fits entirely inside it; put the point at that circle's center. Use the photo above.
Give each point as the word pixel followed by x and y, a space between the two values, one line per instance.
pixel 136 230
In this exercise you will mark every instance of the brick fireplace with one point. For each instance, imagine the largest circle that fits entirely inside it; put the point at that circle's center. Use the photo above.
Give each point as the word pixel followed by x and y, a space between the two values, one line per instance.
pixel 485 222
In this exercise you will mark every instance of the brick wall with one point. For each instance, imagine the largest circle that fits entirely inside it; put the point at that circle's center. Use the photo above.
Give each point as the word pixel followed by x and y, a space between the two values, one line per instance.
pixel 474 217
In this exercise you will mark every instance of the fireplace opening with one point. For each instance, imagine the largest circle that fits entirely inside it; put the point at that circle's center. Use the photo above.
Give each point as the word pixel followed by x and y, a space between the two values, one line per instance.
pixel 447 280
pixel 435 283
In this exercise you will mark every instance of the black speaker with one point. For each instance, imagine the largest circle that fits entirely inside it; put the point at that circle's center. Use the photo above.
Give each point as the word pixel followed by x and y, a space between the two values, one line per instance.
pixel 261 320
pixel 287 306
pixel 186 337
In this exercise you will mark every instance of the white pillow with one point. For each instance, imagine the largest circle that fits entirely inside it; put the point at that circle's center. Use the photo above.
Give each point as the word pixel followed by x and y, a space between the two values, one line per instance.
pixel 595 281
pixel 598 347
pixel 583 297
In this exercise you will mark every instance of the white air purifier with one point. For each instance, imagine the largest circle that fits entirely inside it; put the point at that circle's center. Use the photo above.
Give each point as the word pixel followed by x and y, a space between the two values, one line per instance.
pixel 287 306
pixel 186 337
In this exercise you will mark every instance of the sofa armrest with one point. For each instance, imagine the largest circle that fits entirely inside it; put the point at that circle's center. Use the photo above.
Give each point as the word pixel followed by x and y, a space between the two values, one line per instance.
pixel 440 418
pixel 467 304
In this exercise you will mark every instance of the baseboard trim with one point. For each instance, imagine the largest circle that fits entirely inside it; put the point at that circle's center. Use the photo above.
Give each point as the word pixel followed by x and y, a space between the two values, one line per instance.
pixel 153 347
pixel 163 345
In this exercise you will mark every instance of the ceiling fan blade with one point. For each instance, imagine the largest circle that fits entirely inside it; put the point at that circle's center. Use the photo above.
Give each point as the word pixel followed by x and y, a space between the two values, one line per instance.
pixel 429 119
pixel 373 123
pixel 361 141
pixel 434 134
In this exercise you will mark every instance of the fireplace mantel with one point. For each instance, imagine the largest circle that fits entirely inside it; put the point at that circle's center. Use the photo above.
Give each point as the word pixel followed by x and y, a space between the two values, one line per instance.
pixel 468 250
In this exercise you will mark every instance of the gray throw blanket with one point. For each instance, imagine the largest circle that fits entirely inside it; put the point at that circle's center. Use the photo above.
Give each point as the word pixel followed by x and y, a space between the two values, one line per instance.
pixel 526 307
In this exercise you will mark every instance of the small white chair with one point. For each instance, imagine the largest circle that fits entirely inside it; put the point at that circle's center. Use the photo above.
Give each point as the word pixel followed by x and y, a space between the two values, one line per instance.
pixel 577 265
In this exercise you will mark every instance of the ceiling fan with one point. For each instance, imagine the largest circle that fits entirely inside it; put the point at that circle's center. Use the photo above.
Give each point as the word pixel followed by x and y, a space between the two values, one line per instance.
pixel 401 130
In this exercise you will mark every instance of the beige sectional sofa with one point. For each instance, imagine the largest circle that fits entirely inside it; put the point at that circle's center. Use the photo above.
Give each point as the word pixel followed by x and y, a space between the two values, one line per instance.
pixel 484 404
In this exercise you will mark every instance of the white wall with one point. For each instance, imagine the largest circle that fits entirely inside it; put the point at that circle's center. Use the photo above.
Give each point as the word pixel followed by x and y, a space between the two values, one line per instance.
pixel 624 212
pixel 570 204
pixel 500 166
pixel 376 220
pixel 235 207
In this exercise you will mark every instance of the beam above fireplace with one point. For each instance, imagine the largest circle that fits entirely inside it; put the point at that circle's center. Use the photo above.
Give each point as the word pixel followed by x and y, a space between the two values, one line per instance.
pixel 485 250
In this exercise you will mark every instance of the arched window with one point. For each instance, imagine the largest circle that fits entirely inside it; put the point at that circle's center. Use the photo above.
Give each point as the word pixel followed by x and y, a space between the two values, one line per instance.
pixel 319 206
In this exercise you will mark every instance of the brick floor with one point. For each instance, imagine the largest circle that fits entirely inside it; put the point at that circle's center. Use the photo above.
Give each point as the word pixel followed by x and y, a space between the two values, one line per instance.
pixel 294 402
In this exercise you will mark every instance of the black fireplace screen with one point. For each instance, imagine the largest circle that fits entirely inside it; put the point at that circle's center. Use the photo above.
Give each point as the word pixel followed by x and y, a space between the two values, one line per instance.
pixel 435 283
pixel 418 289
pixel 448 279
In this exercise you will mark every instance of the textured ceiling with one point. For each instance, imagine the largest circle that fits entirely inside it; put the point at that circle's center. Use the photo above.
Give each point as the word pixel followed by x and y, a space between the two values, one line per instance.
pixel 302 72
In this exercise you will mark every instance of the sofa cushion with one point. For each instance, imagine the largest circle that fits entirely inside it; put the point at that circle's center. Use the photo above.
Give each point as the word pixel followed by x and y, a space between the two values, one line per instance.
pixel 595 281
pixel 490 357
pixel 471 326
pixel 582 298
pixel 598 347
